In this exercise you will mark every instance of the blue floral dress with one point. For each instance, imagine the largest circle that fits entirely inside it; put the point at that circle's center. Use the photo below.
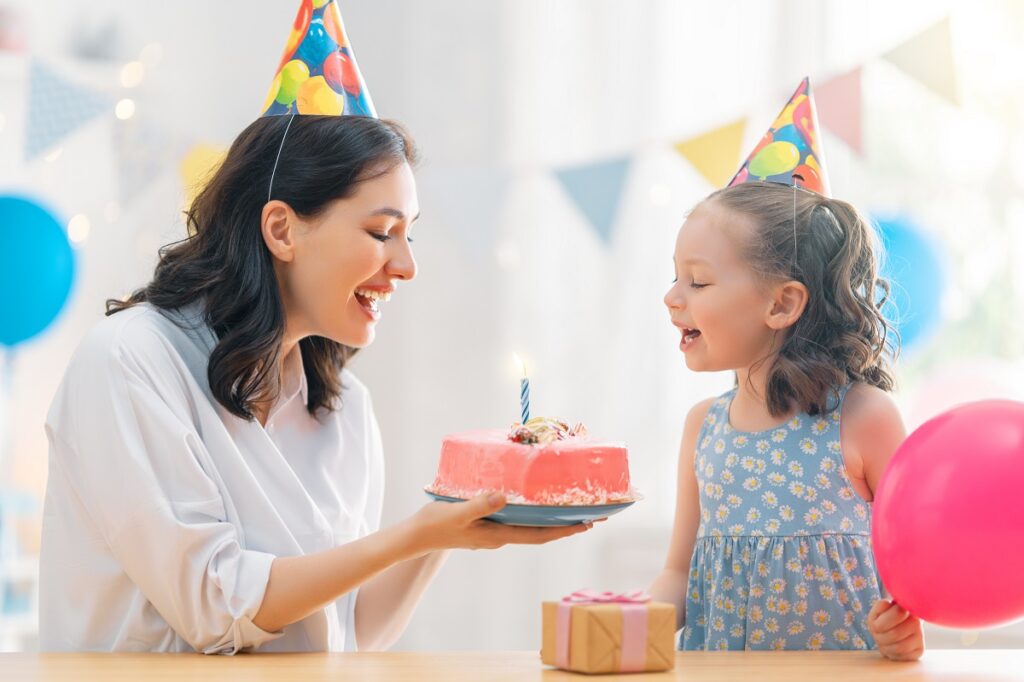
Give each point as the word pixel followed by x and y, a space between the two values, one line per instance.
pixel 783 554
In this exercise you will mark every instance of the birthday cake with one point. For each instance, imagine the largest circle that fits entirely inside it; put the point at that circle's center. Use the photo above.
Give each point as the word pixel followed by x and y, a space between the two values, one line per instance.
pixel 541 462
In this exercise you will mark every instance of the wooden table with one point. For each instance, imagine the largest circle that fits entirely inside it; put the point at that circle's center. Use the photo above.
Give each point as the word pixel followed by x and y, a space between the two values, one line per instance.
pixel 497 666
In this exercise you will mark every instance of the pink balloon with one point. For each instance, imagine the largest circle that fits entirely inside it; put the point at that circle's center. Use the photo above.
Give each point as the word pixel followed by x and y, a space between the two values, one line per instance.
pixel 948 518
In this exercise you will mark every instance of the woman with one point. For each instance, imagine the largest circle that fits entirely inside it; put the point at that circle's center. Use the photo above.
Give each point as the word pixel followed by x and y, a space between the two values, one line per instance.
pixel 215 472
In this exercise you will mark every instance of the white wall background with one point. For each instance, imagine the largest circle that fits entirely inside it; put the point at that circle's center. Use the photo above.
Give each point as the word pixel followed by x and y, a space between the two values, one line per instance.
pixel 511 89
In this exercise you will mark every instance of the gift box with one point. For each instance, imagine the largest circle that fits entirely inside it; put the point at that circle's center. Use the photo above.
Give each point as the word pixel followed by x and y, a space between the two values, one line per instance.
pixel 603 632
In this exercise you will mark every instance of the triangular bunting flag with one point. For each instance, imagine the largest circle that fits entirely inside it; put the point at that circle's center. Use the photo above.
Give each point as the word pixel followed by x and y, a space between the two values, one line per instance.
pixel 463 195
pixel 839 107
pixel 56 108
pixel 928 58
pixel 715 154
pixel 143 153
pixel 197 166
pixel 597 188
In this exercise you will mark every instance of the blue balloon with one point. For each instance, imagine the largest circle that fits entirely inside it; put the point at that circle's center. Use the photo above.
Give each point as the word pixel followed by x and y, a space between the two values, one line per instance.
pixel 315 47
pixel 914 265
pixel 789 134
pixel 37 267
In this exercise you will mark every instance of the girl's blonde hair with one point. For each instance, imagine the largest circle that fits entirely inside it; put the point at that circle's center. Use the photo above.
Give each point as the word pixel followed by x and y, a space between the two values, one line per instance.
pixel 842 335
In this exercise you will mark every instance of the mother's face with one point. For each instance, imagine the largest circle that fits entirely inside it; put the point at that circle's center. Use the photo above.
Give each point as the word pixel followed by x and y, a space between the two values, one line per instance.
pixel 337 269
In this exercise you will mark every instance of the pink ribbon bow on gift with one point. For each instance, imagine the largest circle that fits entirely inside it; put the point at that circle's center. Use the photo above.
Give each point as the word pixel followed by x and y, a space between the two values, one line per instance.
pixel 592 597
pixel 633 656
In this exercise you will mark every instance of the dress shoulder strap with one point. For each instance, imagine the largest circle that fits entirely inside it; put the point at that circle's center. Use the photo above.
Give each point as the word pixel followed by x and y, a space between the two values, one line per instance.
pixel 840 398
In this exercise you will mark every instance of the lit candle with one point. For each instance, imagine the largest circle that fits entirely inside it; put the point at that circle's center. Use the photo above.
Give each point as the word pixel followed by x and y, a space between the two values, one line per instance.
pixel 524 392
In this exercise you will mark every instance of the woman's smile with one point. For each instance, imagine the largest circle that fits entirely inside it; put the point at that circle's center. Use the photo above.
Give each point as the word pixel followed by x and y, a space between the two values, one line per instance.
pixel 370 298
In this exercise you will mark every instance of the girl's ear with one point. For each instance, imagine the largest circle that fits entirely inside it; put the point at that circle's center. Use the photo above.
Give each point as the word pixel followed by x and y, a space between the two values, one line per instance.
pixel 787 305
pixel 277 224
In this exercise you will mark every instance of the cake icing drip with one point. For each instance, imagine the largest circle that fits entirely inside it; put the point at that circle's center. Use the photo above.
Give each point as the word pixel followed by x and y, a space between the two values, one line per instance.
pixel 543 431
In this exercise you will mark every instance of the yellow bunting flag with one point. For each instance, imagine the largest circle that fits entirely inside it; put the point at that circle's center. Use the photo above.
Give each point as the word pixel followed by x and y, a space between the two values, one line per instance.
pixel 715 154
pixel 198 166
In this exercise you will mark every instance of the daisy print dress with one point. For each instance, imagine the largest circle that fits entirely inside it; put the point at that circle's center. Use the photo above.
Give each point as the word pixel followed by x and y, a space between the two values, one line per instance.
pixel 783 554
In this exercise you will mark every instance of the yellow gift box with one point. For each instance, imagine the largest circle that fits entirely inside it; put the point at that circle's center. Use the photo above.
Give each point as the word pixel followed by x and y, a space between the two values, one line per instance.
pixel 603 632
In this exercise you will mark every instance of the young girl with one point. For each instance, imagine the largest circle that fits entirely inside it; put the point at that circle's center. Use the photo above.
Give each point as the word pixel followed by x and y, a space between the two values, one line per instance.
pixel 771 543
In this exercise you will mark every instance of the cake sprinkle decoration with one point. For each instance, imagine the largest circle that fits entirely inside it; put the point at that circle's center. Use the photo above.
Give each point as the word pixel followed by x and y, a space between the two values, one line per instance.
pixel 543 430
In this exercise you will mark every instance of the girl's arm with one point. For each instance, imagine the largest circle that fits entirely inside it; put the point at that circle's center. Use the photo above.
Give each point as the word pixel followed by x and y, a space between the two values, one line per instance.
pixel 874 430
pixel 670 585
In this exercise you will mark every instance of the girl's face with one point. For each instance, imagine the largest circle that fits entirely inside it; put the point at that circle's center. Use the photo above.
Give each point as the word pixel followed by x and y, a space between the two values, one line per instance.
pixel 717 301
pixel 347 261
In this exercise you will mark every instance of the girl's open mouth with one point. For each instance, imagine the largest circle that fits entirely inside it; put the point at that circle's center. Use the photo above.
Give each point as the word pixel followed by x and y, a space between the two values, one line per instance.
pixel 689 337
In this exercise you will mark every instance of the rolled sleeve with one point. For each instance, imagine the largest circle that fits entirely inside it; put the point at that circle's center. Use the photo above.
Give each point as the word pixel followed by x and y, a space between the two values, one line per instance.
pixel 251 574
pixel 137 465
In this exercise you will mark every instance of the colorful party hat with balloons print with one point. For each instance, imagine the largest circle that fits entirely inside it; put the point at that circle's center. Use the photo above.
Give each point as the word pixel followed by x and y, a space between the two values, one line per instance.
pixel 790 152
pixel 318 72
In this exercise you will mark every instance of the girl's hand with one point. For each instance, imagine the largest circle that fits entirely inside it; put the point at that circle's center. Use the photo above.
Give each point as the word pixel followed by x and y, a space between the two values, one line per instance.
pixel 461 525
pixel 897 633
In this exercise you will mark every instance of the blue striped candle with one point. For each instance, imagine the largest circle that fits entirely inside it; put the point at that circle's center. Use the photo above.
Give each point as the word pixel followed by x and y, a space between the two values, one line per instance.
pixel 524 399
pixel 524 390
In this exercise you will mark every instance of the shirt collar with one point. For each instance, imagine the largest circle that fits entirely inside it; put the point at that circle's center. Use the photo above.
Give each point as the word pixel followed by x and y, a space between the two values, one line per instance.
pixel 293 377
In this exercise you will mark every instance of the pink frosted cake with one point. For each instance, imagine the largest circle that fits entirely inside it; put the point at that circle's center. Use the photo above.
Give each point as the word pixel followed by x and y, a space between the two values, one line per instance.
pixel 543 462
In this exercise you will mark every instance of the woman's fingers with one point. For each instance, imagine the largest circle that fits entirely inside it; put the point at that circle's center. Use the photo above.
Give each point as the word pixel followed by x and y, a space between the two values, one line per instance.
pixel 527 535
pixel 482 505
pixel 485 504
pixel 464 524
pixel 538 536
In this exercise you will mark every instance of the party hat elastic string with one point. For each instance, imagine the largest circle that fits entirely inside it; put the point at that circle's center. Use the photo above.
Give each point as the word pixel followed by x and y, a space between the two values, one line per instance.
pixel 270 189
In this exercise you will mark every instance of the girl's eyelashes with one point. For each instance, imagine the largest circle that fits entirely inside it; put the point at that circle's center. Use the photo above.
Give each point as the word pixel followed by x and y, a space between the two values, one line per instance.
pixel 693 284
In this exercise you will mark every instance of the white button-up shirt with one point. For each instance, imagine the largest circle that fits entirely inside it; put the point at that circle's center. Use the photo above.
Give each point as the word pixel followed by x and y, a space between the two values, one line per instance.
pixel 164 511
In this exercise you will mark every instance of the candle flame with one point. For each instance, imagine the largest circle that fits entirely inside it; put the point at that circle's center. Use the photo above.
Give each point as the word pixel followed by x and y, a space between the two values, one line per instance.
pixel 520 364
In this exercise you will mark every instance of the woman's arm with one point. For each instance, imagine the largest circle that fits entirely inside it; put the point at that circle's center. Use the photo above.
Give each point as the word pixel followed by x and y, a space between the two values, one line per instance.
pixel 301 585
pixel 386 602
pixel 670 585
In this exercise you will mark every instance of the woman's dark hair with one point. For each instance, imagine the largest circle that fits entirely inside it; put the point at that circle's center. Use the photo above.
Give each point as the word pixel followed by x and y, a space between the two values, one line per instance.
pixel 225 263
pixel 842 335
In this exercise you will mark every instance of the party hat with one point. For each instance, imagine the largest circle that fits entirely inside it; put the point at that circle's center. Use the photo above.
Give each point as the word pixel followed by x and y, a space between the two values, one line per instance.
pixel 318 72
pixel 790 152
